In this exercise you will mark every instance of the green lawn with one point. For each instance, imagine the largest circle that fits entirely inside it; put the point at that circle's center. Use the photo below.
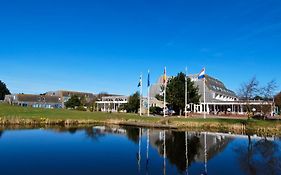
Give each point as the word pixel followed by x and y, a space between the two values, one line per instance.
pixel 9 112
pixel 15 113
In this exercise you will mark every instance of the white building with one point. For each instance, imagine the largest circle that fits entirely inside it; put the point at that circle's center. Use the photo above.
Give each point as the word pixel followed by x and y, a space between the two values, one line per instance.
pixel 111 103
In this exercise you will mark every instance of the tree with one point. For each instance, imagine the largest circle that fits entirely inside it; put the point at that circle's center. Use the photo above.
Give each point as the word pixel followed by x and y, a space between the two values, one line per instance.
pixel 133 103
pixel 159 97
pixel 155 110
pixel 73 102
pixel 3 90
pixel 176 92
pixel 92 104
pixel 267 93
pixel 248 91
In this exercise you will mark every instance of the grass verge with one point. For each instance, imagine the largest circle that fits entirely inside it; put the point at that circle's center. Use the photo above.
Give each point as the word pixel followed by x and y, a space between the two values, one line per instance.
pixel 15 115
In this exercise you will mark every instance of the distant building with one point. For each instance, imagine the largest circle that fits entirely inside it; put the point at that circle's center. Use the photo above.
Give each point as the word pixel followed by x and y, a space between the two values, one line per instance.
pixel 156 89
pixel 111 103
pixel 36 101
pixel 52 99
pixel 66 95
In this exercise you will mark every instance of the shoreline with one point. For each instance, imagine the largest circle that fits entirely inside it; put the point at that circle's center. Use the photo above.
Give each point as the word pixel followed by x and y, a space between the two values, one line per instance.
pixel 25 116
pixel 178 124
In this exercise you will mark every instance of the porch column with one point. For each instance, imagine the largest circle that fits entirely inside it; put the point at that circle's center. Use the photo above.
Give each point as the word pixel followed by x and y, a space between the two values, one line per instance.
pixel 201 108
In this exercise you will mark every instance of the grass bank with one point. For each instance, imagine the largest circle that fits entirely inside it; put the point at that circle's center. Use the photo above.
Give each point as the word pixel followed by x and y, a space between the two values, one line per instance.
pixel 15 115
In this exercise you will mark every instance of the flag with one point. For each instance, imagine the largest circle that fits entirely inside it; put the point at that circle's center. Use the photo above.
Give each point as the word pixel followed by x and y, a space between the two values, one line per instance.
pixel 201 74
pixel 140 82
pixel 165 77
pixel 148 79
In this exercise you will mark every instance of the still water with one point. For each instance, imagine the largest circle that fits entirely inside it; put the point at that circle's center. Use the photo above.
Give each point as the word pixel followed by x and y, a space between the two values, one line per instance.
pixel 127 150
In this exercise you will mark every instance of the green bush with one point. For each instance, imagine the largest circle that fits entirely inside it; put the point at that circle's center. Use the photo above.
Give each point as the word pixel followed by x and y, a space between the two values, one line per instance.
pixel 81 108
pixel 155 110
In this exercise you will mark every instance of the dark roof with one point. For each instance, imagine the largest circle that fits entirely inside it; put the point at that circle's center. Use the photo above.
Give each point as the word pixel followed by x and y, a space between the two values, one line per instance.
pixel 38 98
pixel 71 93
pixel 217 86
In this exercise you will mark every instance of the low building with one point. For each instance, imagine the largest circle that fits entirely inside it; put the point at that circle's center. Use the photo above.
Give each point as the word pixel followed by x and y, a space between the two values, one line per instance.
pixel 66 95
pixel 52 99
pixel 111 103
pixel 36 101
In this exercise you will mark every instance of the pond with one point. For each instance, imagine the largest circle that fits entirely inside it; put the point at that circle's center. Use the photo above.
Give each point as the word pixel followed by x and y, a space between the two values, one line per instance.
pixel 129 150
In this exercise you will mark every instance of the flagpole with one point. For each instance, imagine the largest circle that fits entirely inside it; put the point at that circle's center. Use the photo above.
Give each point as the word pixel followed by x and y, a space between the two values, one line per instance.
pixel 165 101
pixel 165 87
pixel 140 94
pixel 205 95
pixel 148 103
pixel 148 95
pixel 185 93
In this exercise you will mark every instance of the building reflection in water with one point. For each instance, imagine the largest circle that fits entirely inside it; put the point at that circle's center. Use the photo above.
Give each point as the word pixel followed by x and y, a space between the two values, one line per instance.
pixel 183 149
pixel 179 148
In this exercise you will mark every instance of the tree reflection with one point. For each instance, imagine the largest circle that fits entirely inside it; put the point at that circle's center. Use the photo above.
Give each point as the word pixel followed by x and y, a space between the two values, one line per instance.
pixel 132 134
pixel 93 133
pixel 72 130
pixel 1 133
pixel 260 157
pixel 175 149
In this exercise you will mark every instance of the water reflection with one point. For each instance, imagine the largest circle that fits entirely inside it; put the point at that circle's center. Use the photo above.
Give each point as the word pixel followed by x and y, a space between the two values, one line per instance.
pixel 156 151
pixel 259 157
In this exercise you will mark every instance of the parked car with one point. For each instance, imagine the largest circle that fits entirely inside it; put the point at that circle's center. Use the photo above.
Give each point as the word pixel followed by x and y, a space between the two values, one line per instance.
pixel 169 112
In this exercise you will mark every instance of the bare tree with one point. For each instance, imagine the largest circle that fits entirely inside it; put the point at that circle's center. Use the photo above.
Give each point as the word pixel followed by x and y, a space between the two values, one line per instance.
pixel 267 92
pixel 248 91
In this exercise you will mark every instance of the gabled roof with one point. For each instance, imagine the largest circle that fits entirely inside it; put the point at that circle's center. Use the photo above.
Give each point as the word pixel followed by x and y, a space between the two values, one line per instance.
pixel 217 86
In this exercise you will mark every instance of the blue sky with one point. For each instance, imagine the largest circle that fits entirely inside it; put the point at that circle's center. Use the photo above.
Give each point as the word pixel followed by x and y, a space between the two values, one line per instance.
pixel 104 45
